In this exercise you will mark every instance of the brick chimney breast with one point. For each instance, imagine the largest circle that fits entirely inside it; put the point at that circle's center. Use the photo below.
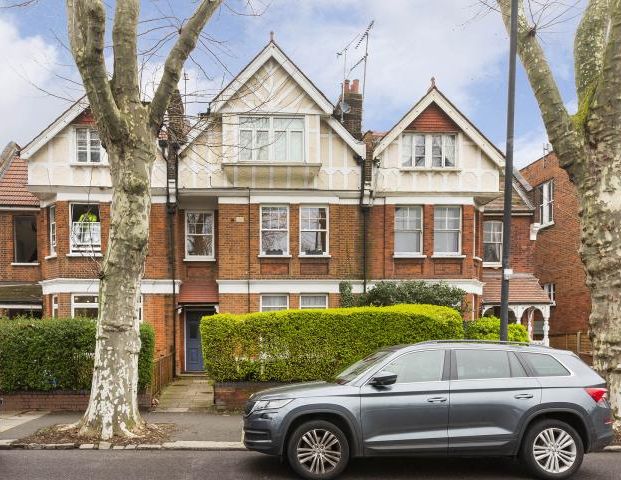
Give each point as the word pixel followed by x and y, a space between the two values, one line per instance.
pixel 352 120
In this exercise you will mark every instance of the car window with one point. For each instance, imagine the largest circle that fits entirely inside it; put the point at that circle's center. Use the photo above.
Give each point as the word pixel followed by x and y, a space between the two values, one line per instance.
pixel 545 365
pixel 517 370
pixel 476 364
pixel 353 371
pixel 412 367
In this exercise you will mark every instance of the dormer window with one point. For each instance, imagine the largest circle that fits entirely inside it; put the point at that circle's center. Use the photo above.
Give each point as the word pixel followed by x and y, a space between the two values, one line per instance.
pixel 88 145
pixel 271 139
pixel 428 150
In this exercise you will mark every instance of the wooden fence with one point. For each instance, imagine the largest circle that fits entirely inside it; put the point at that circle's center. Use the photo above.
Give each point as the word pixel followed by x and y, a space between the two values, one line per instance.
pixel 578 342
pixel 162 374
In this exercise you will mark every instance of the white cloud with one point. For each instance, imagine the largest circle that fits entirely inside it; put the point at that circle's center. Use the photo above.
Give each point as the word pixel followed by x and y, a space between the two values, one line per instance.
pixel 27 62
pixel 529 147
pixel 411 42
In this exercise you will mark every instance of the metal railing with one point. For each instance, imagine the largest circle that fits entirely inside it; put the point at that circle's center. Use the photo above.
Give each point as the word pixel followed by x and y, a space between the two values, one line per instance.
pixel 86 236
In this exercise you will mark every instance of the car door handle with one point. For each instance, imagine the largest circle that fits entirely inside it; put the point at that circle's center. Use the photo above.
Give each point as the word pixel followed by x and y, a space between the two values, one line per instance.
pixel 521 396
pixel 437 399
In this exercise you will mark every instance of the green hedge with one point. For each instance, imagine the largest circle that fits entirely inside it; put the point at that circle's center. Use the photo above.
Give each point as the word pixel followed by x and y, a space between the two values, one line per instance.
pixel 488 328
pixel 296 345
pixel 57 354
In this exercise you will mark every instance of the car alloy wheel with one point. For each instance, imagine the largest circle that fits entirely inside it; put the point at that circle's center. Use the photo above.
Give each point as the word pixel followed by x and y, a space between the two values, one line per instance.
pixel 554 450
pixel 318 451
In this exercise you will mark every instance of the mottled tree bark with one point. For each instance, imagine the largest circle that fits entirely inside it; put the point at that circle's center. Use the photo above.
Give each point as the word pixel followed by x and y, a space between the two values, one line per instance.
pixel 588 146
pixel 128 129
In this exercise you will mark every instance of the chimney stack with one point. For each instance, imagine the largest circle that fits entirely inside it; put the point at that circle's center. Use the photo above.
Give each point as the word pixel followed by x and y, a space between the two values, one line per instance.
pixel 352 119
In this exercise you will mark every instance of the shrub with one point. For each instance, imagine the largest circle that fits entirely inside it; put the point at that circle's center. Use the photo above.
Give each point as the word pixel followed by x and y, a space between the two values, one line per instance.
pixel 295 345
pixel 57 354
pixel 488 328
pixel 412 292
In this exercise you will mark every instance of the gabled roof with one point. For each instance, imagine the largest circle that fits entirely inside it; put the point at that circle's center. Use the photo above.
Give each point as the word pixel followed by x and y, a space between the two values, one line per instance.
pixel 271 50
pixel 13 180
pixel 434 95
pixel 55 127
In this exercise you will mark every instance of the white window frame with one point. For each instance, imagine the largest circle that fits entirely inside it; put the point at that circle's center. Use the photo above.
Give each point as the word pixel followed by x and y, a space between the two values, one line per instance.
pixel 93 248
pixel 324 295
pixel 271 138
pixel 422 229
pixel 550 289
pixel 54 306
pixel 460 232
pixel 499 262
pixel 75 305
pixel 263 295
pixel 52 232
pixel 286 253
pixel 412 136
pixel 89 150
pixel 547 200
pixel 211 257
pixel 327 230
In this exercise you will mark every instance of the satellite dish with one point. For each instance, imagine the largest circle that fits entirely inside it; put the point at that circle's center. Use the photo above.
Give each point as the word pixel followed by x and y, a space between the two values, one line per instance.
pixel 345 107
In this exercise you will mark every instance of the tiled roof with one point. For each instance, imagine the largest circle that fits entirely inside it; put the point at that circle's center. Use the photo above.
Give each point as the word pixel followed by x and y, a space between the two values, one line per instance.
pixel 22 293
pixel 13 180
pixel 523 288
pixel 198 291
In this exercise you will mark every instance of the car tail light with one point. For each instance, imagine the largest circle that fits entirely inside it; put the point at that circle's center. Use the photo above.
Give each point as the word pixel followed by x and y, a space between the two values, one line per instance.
pixel 599 395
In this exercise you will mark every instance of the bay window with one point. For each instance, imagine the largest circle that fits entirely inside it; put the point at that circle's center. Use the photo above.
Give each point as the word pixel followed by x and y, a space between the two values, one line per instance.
pixel 408 230
pixel 85 228
pixel 199 235
pixel 447 230
pixel 273 303
pixel 52 222
pixel 84 305
pixel 313 231
pixel 428 150
pixel 271 139
pixel 492 241
pixel 275 230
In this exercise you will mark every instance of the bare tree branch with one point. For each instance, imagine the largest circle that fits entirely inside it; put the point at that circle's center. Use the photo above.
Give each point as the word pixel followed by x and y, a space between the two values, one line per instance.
pixel 86 23
pixel 559 125
pixel 186 42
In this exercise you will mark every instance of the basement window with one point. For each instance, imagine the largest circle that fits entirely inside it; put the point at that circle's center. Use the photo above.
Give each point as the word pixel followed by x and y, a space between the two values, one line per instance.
pixel 25 238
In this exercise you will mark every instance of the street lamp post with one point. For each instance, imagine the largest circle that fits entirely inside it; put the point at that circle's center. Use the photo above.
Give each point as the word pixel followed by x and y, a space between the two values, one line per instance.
pixel 506 219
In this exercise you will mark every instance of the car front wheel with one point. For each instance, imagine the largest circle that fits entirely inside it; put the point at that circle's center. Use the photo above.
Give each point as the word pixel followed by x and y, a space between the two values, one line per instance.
pixel 318 450
pixel 552 450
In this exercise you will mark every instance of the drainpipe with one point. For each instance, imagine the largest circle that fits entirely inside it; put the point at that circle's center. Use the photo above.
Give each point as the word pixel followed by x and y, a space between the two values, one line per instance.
pixel 248 259
pixel 365 211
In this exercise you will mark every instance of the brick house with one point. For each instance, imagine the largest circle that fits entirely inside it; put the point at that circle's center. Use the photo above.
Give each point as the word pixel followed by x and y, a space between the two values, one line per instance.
pixel 556 203
pixel 272 200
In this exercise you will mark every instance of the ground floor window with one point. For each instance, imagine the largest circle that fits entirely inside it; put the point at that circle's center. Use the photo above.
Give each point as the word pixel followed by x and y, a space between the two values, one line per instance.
pixel 313 301
pixel 84 305
pixel 54 306
pixel 272 303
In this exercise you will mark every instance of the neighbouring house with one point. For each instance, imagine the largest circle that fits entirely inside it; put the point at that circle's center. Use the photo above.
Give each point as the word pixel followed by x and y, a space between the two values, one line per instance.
pixel 557 260
pixel 272 199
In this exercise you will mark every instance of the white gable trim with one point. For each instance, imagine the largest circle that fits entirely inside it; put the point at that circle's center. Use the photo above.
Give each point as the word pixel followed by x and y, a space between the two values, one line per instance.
pixel 434 96
pixel 271 51
pixel 54 129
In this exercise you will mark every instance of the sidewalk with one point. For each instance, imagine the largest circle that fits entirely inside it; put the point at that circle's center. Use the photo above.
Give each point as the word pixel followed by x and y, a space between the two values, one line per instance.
pixel 190 427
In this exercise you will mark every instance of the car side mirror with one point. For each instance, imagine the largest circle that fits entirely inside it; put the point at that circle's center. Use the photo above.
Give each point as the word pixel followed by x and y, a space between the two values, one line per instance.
pixel 383 379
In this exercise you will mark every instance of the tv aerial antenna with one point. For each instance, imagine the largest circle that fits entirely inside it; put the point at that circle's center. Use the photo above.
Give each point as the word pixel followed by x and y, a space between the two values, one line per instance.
pixel 356 42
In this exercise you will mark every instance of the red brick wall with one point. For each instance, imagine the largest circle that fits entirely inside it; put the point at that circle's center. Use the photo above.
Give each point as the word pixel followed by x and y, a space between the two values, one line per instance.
pixel 522 248
pixel 556 257
pixel 433 119
pixel 55 401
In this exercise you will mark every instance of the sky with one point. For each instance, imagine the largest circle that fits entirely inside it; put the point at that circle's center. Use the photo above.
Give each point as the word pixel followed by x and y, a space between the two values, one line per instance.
pixel 455 41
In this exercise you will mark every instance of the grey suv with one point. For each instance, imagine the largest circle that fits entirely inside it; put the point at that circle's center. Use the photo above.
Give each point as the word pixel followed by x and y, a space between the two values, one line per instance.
pixel 439 398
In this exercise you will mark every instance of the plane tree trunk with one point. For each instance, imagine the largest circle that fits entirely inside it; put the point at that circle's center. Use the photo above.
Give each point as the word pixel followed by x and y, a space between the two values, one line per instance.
pixel 129 130
pixel 588 146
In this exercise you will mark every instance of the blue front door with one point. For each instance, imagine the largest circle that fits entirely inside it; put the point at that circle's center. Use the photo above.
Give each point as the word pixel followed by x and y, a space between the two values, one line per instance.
pixel 193 352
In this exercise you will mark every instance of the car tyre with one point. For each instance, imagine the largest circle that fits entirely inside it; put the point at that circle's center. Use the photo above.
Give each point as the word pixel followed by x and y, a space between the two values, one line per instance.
pixel 318 450
pixel 552 450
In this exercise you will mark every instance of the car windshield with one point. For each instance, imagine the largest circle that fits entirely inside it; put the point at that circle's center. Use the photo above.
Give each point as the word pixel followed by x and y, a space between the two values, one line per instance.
pixel 355 370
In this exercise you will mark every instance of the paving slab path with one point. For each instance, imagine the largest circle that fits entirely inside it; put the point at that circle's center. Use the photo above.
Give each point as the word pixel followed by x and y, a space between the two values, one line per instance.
pixel 187 393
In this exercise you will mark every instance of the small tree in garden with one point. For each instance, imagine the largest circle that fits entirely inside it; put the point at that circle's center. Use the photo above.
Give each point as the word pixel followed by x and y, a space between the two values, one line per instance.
pixel 393 293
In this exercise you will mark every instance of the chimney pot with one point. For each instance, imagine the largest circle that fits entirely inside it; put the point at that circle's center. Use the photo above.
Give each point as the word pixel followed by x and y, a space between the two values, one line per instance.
pixel 346 88
pixel 355 86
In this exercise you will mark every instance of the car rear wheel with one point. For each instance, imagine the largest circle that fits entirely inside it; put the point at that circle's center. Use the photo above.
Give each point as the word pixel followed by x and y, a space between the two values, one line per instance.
pixel 318 450
pixel 552 450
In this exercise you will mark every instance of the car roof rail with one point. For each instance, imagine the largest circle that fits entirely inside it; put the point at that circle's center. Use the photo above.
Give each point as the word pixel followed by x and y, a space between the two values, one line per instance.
pixel 488 342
